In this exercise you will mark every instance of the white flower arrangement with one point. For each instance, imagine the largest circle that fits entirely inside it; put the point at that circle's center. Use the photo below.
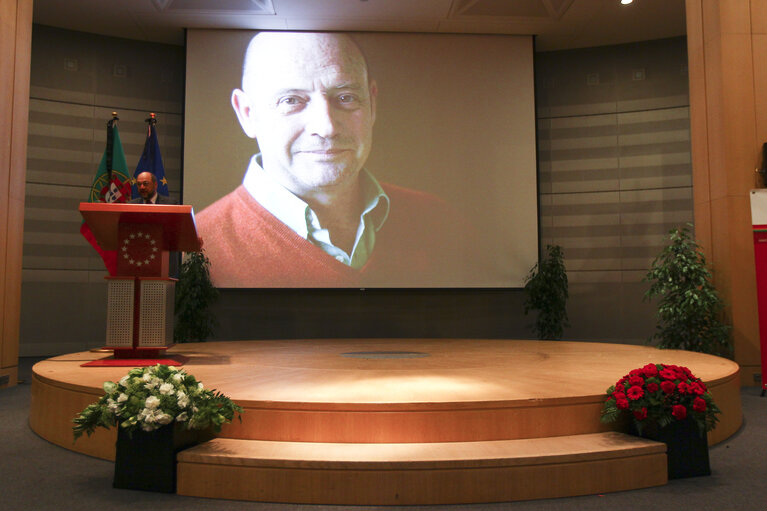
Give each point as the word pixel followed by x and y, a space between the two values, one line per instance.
pixel 151 397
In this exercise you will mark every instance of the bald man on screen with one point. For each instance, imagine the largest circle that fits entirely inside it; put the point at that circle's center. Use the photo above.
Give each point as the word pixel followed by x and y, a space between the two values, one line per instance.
pixel 308 214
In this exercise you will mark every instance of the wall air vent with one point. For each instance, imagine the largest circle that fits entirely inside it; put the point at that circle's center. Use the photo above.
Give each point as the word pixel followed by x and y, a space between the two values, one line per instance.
pixel 553 9
pixel 224 6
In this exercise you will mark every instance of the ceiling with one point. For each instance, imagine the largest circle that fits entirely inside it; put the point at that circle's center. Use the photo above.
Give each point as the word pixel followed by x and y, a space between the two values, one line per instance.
pixel 559 24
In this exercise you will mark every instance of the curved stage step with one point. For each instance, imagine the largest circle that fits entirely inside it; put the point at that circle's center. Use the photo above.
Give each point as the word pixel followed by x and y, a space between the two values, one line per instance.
pixel 420 473
pixel 334 397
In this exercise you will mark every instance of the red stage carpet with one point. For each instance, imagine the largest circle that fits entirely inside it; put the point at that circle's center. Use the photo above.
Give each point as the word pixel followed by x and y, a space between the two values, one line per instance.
pixel 401 421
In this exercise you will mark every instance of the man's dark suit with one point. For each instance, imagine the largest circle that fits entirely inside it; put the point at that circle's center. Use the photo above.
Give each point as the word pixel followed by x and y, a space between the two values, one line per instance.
pixel 161 199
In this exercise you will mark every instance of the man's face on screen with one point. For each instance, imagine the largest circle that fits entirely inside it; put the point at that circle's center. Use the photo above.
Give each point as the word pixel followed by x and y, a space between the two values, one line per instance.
pixel 307 100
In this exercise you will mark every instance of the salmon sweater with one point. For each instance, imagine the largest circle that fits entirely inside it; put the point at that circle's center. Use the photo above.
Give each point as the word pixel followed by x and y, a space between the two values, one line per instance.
pixel 420 245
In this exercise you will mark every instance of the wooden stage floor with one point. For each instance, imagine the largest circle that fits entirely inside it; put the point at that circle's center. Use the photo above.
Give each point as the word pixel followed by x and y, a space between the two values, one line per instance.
pixel 496 397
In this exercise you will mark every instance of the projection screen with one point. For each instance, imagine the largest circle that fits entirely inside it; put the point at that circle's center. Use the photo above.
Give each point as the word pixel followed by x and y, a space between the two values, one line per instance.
pixel 452 148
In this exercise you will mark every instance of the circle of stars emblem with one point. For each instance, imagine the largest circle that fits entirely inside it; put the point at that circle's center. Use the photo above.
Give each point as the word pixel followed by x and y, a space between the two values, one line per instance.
pixel 139 249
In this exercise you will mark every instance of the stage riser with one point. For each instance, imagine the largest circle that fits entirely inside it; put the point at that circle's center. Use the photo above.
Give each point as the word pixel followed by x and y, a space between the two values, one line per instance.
pixel 461 393
pixel 420 487
pixel 61 389
pixel 458 425
pixel 53 408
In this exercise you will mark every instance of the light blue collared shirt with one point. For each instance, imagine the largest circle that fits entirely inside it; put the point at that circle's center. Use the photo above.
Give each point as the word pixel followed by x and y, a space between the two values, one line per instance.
pixel 296 214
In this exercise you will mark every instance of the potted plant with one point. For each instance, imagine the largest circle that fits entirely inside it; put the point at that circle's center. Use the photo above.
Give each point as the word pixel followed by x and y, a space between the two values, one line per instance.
pixel 158 411
pixel 690 309
pixel 669 404
pixel 546 292
pixel 195 294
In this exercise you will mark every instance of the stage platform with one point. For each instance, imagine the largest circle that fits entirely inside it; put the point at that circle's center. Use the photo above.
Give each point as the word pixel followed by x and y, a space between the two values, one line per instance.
pixel 401 421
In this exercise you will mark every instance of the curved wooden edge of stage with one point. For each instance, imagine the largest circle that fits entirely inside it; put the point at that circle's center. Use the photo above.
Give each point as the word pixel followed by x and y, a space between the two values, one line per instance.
pixel 401 421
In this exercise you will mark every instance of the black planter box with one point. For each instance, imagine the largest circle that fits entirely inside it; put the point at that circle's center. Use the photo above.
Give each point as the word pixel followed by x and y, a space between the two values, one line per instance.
pixel 686 448
pixel 146 460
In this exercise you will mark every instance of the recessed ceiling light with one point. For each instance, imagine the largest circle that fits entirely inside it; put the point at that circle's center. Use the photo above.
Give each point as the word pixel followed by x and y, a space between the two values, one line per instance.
pixel 626 2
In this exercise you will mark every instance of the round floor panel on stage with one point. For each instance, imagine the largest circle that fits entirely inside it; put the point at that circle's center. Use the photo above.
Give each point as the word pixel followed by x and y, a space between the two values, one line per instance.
pixel 390 390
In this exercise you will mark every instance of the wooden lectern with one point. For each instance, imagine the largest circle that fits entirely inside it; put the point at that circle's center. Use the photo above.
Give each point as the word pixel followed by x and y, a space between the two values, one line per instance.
pixel 141 295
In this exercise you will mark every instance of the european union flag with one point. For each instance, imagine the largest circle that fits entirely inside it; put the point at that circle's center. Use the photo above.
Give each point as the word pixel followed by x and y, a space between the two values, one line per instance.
pixel 151 160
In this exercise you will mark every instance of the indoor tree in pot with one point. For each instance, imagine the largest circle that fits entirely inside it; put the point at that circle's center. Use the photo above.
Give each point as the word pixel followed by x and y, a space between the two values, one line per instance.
pixel 195 294
pixel 546 292
pixel 689 308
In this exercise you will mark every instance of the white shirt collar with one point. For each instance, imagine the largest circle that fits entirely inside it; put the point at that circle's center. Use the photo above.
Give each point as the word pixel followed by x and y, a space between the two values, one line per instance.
pixel 293 211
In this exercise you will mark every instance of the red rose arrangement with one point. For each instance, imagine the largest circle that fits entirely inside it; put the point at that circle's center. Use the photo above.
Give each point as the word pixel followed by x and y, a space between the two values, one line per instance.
pixel 660 394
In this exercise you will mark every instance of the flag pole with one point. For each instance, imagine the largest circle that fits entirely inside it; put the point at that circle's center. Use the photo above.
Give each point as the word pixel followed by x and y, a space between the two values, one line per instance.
pixel 110 144
pixel 151 120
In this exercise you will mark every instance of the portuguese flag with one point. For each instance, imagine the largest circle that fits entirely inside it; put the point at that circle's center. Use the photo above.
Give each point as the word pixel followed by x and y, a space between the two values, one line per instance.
pixel 111 184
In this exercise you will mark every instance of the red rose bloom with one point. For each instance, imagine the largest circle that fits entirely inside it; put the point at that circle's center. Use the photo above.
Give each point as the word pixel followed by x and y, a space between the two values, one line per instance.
pixel 635 372
pixel 636 381
pixel 683 388
pixel 668 387
pixel 679 412
pixel 668 373
pixel 622 404
pixel 640 414
pixel 699 404
pixel 620 388
pixel 635 392
pixel 619 395
pixel 652 388
pixel 697 388
pixel 650 370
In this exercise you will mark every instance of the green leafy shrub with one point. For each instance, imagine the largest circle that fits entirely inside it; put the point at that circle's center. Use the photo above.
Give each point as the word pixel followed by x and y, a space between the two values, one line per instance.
pixel 546 292
pixel 194 295
pixel 689 308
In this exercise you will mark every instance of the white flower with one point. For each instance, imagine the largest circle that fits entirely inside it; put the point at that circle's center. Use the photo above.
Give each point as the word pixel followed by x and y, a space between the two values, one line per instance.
pixel 152 402
pixel 183 399
pixel 167 388
pixel 109 387
pixel 164 418
pixel 123 397
pixel 124 381
pixel 182 417
pixel 178 377
pixel 147 377
pixel 111 405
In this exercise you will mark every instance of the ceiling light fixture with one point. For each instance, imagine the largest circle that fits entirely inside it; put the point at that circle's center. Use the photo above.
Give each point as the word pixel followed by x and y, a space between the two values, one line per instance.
pixel 626 2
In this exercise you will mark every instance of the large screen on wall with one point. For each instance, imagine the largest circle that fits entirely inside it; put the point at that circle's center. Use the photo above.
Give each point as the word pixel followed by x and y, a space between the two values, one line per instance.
pixel 362 160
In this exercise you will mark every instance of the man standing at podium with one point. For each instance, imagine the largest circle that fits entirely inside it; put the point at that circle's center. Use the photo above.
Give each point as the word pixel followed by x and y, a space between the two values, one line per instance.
pixel 147 189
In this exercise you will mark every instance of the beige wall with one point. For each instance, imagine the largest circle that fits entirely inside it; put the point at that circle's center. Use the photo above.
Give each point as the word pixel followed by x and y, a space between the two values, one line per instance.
pixel 615 175
pixel 727 43
pixel 77 81
pixel 15 37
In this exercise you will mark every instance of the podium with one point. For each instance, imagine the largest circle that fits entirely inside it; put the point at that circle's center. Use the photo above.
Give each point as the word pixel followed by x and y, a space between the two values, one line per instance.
pixel 140 299
pixel 759 228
